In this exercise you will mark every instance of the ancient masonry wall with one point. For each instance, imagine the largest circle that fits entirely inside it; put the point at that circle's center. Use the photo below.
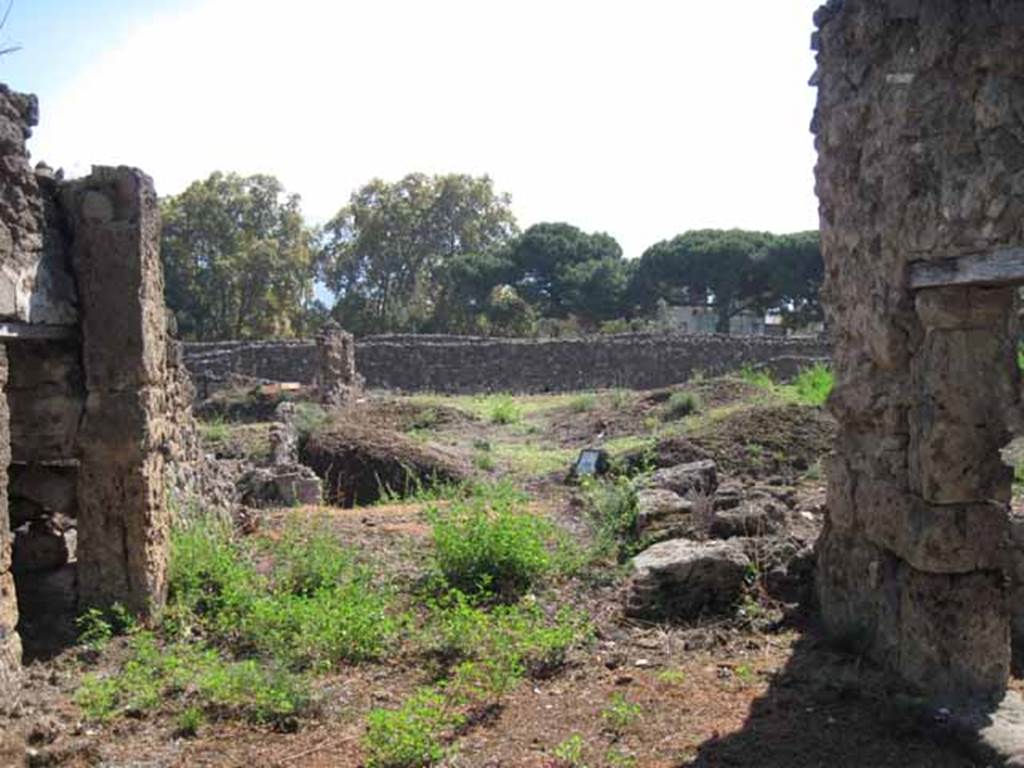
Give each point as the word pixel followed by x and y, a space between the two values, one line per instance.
pixel 920 138
pixel 460 364
pixel 95 426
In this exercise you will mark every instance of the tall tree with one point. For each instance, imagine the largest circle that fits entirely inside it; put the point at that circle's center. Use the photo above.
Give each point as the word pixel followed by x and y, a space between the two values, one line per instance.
pixel 732 270
pixel 384 253
pixel 561 270
pixel 238 258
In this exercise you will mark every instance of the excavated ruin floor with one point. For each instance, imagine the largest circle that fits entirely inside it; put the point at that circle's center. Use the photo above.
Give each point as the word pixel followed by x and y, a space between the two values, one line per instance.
pixel 757 689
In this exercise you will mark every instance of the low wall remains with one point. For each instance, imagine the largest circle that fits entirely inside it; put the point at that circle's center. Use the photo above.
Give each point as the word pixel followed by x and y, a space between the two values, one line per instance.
pixel 466 364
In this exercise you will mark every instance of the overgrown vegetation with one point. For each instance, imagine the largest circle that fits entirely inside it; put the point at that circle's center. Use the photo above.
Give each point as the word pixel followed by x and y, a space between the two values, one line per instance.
pixel 611 505
pixel 681 404
pixel 505 410
pixel 811 386
pixel 237 639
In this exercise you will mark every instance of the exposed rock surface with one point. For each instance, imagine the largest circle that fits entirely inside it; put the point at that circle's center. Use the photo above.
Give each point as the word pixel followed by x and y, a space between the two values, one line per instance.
pixel 681 579
pixel 662 514
pixel 698 478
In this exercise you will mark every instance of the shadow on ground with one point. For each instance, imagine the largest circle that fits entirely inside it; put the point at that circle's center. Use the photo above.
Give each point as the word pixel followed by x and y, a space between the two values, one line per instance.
pixel 827 708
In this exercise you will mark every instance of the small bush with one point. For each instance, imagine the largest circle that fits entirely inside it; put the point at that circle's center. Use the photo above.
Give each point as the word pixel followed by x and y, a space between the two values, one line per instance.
pixel 618 399
pixel 611 505
pixel 570 752
pixel 189 720
pixel 813 385
pixel 309 417
pixel 757 377
pixel 620 715
pixel 504 410
pixel 681 404
pixel 487 547
pixel 412 735
pixel 583 403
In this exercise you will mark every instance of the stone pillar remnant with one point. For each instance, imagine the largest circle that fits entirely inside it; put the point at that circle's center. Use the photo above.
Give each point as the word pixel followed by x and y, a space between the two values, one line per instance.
pixel 10 643
pixel 123 515
pixel 337 380
pixel 921 164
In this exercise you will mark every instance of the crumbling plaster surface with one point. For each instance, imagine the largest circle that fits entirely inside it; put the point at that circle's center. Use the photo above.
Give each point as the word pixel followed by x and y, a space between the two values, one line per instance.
pixel 921 156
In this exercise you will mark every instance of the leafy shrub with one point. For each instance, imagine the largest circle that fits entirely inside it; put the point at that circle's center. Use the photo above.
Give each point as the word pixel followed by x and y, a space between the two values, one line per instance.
pixel 412 735
pixel 487 547
pixel 620 715
pixel 309 417
pixel 570 752
pixel 504 410
pixel 757 377
pixel 611 505
pixel 813 385
pixel 680 404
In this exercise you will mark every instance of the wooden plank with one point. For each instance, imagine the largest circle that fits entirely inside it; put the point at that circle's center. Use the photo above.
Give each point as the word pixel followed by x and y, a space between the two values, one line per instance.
pixel 19 331
pixel 1001 267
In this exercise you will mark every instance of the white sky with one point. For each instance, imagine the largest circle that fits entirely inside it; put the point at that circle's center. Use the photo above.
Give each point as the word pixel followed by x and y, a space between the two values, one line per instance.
pixel 642 118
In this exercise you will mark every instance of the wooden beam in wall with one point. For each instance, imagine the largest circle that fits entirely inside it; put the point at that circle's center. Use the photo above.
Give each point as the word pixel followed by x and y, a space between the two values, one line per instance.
pixel 1002 267
pixel 22 331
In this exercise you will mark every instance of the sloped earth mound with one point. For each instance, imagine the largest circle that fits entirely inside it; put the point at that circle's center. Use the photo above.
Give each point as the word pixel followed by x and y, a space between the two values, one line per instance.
pixel 359 463
pixel 768 440
pixel 404 416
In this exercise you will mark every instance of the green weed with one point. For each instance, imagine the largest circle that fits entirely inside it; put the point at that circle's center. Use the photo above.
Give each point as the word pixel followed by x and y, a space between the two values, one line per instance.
pixel 611 505
pixel 486 546
pixel 620 715
pixel 570 752
pixel 681 404
pixel 413 735
pixel 504 410
pixel 583 403
pixel 813 385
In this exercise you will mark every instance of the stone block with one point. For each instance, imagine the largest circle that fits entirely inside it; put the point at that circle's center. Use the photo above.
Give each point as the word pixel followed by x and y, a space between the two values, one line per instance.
pixel 697 478
pixel 662 514
pixel 682 579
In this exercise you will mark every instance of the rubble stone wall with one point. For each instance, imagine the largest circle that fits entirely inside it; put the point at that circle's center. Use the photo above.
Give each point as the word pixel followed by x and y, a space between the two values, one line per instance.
pixel 920 139
pixel 460 364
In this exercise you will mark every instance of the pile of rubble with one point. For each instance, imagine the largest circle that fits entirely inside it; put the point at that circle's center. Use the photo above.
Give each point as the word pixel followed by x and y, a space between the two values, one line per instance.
pixel 708 544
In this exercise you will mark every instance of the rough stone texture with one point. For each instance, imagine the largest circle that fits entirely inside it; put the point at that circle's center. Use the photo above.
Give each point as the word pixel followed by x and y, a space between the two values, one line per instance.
pixel 921 157
pixel 697 478
pixel 465 364
pixel 662 514
pixel 123 512
pixel 10 643
pixel 35 284
pixel 681 579
pixel 336 381
pixel 40 546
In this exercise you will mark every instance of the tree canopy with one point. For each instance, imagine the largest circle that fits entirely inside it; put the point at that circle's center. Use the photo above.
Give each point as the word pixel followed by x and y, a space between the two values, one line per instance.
pixel 387 254
pixel 733 271
pixel 237 258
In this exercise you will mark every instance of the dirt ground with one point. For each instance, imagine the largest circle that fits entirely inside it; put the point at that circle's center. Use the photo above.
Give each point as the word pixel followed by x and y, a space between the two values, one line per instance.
pixel 761 689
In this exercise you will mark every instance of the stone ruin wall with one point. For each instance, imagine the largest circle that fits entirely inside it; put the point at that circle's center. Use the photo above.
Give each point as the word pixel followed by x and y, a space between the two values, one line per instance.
pixel 99 425
pixel 462 364
pixel 920 134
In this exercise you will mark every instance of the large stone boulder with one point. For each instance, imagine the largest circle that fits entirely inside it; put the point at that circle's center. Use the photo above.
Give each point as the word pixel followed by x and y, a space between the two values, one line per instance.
pixel 682 579
pixel 696 478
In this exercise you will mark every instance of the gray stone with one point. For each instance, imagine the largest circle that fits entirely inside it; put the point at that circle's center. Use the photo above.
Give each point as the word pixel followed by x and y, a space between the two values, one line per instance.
pixel 744 521
pixel 698 478
pixel 662 514
pixel 682 579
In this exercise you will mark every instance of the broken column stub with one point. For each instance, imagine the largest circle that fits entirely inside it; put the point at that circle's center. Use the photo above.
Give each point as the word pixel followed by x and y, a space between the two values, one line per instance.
pixel 921 158
pixel 123 515
pixel 337 380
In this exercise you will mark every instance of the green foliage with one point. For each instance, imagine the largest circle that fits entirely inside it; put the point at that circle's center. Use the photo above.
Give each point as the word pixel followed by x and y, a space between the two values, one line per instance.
pixel 315 608
pixel 153 675
pixel 520 633
pixel 1020 357
pixel 583 403
pixel 672 677
pixel 488 547
pixel 813 385
pixel 620 715
pixel 680 404
pixel 189 721
pixel 96 627
pixel 386 254
pixel 308 418
pixel 504 410
pixel 757 377
pixel 570 752
pixel 412 735
pixel 733 271
pixel 238 259
pixel 611 505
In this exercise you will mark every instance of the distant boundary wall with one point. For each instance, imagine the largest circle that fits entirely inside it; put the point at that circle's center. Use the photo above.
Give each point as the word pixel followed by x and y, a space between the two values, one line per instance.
pixel 468 364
